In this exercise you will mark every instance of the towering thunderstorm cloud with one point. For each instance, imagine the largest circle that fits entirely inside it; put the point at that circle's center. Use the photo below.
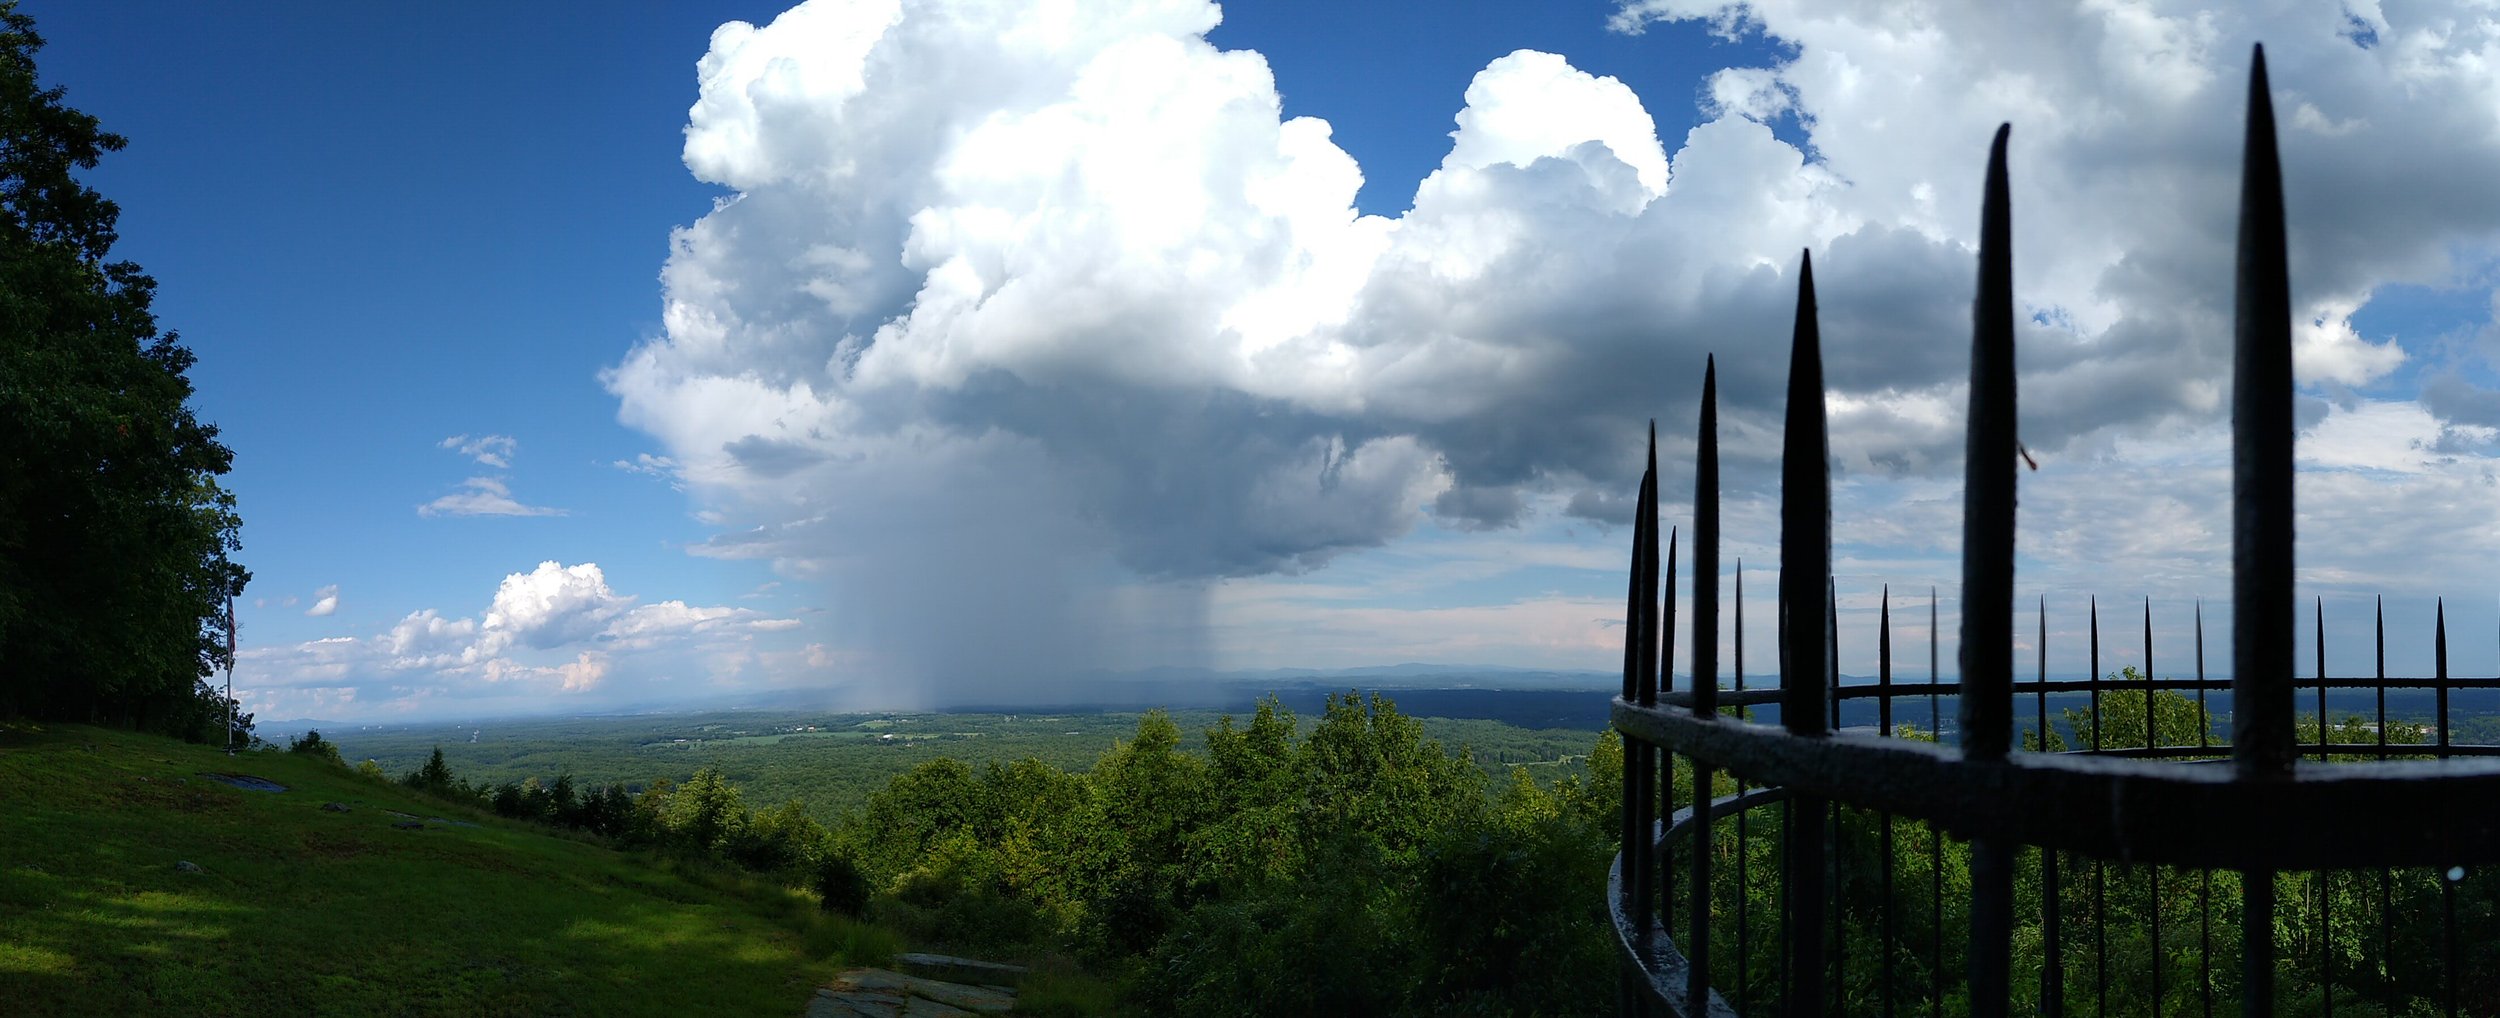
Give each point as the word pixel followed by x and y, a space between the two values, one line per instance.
pixel 1021 324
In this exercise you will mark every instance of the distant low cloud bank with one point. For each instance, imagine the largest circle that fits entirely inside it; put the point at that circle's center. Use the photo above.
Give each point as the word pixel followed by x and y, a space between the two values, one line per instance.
pixel 556 631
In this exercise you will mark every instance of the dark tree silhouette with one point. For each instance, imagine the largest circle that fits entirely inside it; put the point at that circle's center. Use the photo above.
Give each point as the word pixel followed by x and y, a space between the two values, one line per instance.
pixel 115 537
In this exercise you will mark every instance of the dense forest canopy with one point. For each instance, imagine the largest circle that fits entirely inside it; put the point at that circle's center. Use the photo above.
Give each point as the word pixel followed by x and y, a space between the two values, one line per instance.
pixel 115 537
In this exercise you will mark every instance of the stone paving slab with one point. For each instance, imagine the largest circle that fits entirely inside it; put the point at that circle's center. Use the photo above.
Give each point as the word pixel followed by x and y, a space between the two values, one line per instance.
pixel 246 782
pixel 960 970
pixel 831 1003
pixel 882 993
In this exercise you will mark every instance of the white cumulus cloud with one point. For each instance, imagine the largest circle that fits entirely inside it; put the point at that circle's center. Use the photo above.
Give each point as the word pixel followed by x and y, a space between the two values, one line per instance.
pixel 425 639
pixel 488 450
pixel 552 605
pixel 484 496
pixel 583 673
pixel 556 629
pixel 1009 304
pixel 325 601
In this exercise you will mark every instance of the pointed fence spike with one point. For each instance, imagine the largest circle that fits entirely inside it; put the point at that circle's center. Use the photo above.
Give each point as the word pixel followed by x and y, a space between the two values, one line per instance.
pixel 2261 496
pixel 1632 602
pixel 2262 603
pixel 2381 626
pixel 1987 656
pixel 1704 676
pixel 1645 663
pixel 2094 636
pixel 1804 581
pixel 2439 657
pixel 1648 508
pixel 1640 655
pixel 2149 715
pixel 2320 629
pixel 1705 653
pixel 2043 701
pixel 1666 631
pixel 2204 717
pixel 1883 663
pixel 1805 520
pixel 1631 836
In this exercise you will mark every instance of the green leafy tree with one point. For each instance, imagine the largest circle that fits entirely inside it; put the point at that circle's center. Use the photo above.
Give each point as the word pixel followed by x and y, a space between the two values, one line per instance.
pixel 646 822
pixel 2175 718
pixel 563 802
pixel 115 537
pixel 1254 830
pixel 312 744
pixel 1368 769
pixel 776 840
pixel 706 814
pixel 434 777
pixel 1503 914
pixel 614 815
pixel 1047 839
pixel 1598 802
pixel 912 813
pixel 1336 939
pixel 1151 796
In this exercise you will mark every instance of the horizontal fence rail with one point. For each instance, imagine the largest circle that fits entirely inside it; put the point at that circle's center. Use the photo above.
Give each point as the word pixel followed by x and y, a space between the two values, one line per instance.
pixel 2133 843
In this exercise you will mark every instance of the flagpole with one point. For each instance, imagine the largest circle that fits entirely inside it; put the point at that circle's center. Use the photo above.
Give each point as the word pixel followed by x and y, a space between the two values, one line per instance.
pixel 229 674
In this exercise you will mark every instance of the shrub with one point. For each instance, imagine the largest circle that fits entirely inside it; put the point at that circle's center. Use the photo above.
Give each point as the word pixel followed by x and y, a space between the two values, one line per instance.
pixel 1338 940
pixel 312 744
pixel 509 801
pixel 953 896
pixel 841 884
pixel 778 840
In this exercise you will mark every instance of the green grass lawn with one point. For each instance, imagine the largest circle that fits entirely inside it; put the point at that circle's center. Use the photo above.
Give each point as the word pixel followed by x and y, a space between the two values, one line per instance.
pixel 302 911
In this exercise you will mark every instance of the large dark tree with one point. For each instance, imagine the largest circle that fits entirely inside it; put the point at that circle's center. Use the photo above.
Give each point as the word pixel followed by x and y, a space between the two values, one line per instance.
pixel 115 538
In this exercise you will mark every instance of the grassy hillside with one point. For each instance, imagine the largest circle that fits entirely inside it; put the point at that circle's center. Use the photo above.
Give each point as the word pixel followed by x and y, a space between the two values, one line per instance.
pixel 302 911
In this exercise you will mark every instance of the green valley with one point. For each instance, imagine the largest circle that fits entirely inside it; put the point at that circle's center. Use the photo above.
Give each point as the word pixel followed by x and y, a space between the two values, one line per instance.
pixel 832 762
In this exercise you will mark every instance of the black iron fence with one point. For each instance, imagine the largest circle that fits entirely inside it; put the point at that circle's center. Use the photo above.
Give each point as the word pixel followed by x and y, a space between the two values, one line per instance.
pixel 2111 853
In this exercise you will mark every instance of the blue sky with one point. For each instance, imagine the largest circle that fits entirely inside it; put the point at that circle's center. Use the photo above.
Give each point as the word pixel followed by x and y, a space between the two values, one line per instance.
pixel 964 349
